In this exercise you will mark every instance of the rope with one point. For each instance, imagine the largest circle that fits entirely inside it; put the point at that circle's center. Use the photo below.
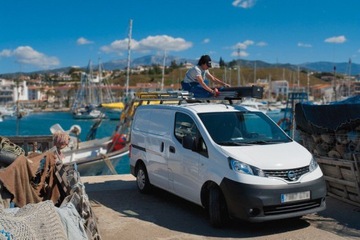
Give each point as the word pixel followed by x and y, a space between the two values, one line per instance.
pixel 8 146
pixel 109 164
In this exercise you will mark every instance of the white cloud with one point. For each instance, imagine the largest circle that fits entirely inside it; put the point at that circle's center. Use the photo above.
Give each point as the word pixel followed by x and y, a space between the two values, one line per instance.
pixel 5 53
pixel 159 42
pixel 244 3
pixel 206 40
pixel 27 55
pixel 338 39
pixel 83 41
pixel 261 44
pixel 164 42
pixel 239 54
pixel 305 45
pixel 243 45
pixel 119 46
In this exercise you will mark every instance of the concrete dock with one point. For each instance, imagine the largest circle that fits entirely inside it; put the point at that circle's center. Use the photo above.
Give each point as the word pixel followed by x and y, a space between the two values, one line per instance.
pixel 124 213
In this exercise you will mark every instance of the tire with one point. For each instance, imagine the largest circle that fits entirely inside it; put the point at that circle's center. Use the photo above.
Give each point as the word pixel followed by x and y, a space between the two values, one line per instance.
pixel 217 208
pixel 142 179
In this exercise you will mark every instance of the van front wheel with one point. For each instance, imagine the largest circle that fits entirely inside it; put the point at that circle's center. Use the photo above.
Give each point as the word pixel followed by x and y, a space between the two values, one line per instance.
pixel 142 179
pixel 217 208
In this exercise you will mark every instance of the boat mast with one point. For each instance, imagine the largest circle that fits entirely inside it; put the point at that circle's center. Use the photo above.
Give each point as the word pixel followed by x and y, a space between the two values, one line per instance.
pixel 17 107
pixel 254 72
pixel 101 84
pixel 128 58
pixel 238 68
pixel 163 71
pixel 89 85
pixel 349 79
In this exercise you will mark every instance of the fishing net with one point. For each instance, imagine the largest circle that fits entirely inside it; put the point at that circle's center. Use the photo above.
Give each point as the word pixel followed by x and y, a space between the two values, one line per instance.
pixel 33 221
pixel 9 151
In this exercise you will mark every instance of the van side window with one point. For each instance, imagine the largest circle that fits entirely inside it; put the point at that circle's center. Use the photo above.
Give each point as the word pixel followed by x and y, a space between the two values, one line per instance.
pixel 184 125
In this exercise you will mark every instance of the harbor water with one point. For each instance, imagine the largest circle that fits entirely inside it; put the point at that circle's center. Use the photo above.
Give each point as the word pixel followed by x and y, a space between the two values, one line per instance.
pixel 39 123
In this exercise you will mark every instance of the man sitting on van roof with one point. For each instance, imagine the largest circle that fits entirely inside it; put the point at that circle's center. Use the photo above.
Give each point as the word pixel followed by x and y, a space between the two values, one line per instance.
pixel 196 82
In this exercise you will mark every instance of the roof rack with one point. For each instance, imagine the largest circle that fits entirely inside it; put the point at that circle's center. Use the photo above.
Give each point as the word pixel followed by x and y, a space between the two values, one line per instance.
pixel 231 93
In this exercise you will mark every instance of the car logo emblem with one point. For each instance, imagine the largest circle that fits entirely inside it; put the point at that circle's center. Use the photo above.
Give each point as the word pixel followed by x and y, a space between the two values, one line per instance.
pixel 291 175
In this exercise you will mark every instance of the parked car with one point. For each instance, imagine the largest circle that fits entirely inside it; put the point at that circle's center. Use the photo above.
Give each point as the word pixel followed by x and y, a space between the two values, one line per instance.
pixel 232 160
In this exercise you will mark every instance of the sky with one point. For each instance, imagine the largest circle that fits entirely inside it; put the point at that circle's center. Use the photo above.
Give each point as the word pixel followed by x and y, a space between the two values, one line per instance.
pixel 49 34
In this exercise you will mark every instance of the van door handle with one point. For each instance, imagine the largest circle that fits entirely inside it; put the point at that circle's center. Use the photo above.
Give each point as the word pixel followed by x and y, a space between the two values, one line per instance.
pixel 172 149
pixel 162 147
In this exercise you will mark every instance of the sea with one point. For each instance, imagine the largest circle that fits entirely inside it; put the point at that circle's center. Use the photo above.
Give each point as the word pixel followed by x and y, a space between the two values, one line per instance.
pixel 39 123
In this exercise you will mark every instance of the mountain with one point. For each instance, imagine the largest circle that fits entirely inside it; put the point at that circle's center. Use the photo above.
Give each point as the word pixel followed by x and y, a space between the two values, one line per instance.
pixel 149 60
pixel 343 68
pixel 145 61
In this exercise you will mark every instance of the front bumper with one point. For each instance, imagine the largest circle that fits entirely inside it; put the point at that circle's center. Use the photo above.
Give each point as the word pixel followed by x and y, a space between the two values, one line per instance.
pixel 256 203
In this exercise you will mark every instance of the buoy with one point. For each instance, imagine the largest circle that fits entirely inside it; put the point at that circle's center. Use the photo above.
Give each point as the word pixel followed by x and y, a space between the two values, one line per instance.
pixel 119 141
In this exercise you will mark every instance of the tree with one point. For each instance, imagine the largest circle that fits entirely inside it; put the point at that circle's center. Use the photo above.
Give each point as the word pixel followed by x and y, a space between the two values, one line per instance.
pixel 73 70
pixel 222 63
pixel 173 65
pixel 232 64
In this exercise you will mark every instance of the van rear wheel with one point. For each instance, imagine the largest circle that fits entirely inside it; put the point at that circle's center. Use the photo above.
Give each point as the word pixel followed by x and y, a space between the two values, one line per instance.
pixel 217 208
pixel 142 179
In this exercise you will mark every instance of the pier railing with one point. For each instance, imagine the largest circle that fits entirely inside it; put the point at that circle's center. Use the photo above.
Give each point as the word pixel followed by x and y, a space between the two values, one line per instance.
pixel 30 144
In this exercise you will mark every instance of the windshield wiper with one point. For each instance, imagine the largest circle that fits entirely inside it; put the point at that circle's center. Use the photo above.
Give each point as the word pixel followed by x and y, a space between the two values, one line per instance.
pixel 262 142
pixel 229 143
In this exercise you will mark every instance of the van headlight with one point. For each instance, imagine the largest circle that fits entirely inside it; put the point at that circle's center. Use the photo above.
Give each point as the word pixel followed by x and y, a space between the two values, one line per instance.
pixel 241 167
pixel 313 164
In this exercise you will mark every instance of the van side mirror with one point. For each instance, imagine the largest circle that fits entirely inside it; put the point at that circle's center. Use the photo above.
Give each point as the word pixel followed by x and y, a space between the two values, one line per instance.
pixel 188 142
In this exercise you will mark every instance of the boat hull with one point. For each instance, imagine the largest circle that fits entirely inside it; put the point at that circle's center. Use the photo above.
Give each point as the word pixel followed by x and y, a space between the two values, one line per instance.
pixel 92 158
pixel 103 164
pixel 94 114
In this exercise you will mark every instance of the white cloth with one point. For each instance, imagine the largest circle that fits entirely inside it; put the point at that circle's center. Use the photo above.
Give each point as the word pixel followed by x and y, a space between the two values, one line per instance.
pixel 192 74
pixel 73 223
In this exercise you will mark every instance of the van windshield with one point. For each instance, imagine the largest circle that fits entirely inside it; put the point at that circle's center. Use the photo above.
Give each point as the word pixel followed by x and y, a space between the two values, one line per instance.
pixel 242 128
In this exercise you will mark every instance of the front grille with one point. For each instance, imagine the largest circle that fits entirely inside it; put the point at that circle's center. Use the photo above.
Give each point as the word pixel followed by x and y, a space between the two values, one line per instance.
pixel 290 208
pixel 288 174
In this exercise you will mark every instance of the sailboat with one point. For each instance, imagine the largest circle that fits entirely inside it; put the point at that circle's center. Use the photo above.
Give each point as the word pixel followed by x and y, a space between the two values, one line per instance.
pixel 89 96
pixel 84 106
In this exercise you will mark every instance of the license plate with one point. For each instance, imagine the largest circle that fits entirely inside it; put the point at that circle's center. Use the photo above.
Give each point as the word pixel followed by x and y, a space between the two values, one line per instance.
pixel 290 197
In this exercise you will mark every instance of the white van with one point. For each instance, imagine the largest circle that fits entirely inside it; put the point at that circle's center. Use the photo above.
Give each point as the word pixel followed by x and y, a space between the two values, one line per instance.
pixel 232 160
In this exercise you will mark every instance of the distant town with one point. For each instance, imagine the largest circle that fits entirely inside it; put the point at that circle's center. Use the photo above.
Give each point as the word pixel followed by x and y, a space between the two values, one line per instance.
pixel 58 89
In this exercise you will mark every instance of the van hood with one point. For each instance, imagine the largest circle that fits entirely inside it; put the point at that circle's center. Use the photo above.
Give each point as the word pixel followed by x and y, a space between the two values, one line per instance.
pixel 272 156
